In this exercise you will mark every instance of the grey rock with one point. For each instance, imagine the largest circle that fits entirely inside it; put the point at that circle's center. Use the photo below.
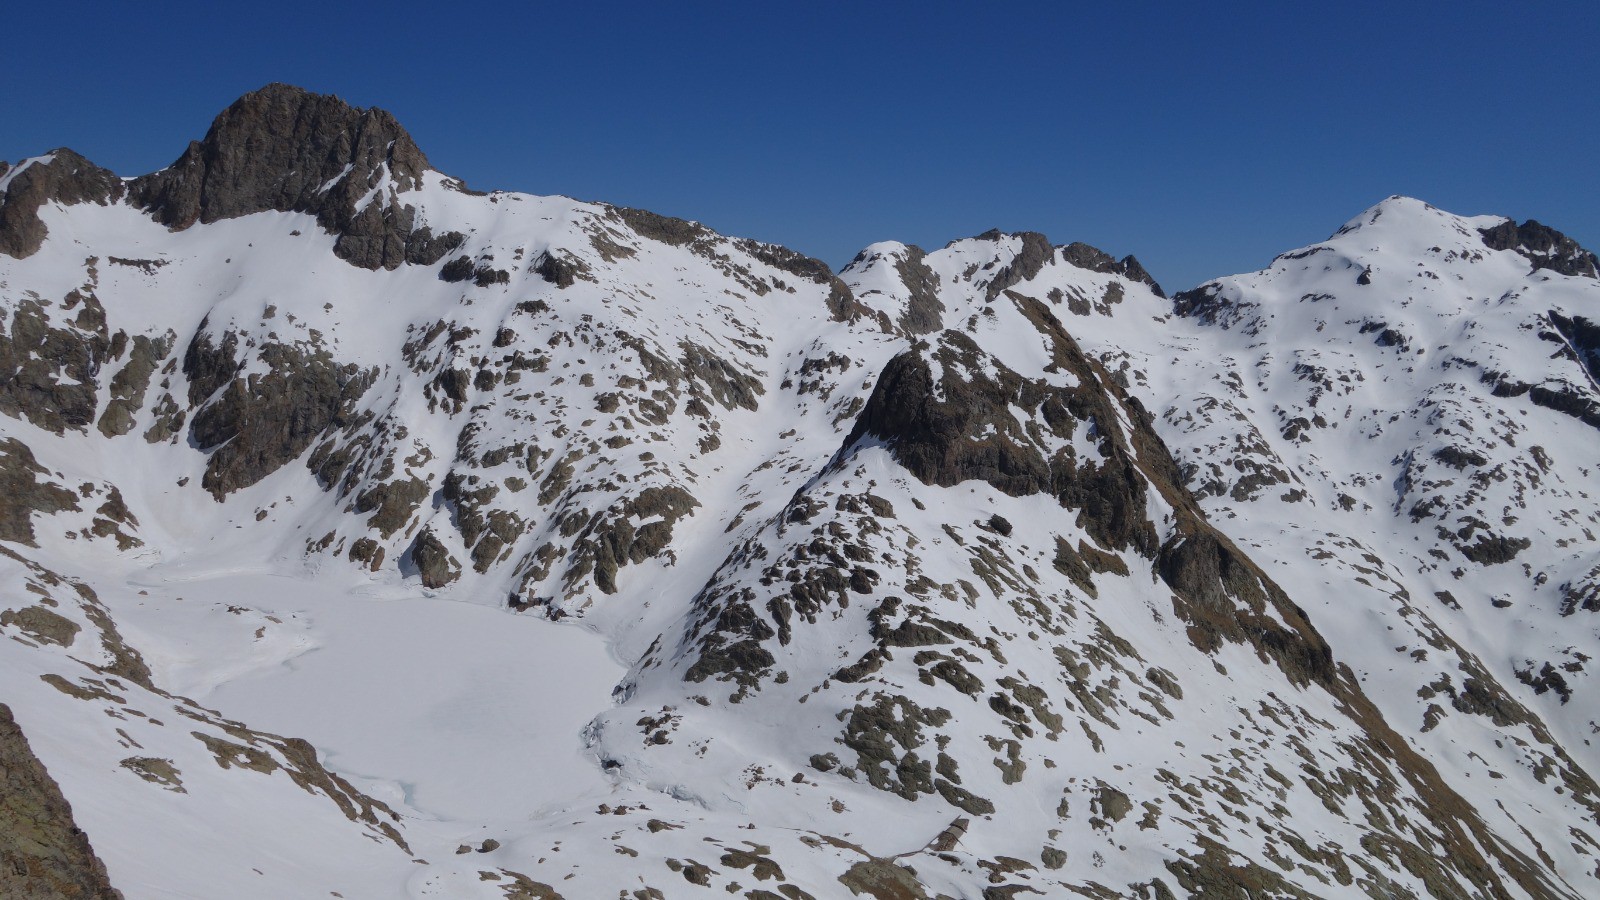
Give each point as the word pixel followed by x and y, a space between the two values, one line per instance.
pixel 132 381
pixel 924 311
pixel 433 561
pixel 1086 257
pixel 49 370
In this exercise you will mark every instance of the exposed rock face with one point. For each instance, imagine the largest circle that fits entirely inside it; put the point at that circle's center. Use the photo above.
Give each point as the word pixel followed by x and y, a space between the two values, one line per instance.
pixel 282 148
pixel 1226 597
pixel 43 854
pixel 61 176
pixel 1086 257
pixel 1035 253
pixel 1543 246
pixel 612 540
pixel 132 381
pixel 962 427
pixel 1582 337
pixel 49 369
pixel 924 311
pixel 435 565
pixel 24 493
pixel 258 423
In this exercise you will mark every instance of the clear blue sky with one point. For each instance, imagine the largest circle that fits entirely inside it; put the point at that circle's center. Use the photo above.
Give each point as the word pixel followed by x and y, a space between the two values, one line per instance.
pixel 1203 138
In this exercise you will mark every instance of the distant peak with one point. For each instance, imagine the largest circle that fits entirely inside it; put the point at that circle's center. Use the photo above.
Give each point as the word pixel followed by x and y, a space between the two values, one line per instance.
pixel 1391 208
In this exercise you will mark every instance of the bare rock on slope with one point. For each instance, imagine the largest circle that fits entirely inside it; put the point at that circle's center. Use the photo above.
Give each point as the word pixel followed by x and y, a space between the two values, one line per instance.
pixel 61 176
pixel 1543 246
pixel 43 854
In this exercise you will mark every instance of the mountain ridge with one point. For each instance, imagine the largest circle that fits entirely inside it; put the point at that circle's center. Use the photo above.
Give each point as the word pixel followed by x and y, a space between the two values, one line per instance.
pixel 1229 580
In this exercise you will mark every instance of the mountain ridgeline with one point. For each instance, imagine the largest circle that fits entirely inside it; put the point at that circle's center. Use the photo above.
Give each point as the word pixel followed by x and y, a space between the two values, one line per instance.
pixel 981 572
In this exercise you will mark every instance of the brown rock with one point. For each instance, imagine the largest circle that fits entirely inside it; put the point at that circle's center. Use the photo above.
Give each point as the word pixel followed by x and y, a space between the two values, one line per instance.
pixel 66 178
pixel 25 493
pixel 433 561
pixel 43 853
pixel 286 149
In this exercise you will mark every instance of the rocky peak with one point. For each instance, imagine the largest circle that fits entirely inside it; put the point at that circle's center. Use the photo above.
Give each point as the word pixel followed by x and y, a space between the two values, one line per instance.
pixel 285 149
pixel 1543 246
pixel 896 279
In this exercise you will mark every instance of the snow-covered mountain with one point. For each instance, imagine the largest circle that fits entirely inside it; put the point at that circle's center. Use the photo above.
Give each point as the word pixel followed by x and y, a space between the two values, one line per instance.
pixel 368 536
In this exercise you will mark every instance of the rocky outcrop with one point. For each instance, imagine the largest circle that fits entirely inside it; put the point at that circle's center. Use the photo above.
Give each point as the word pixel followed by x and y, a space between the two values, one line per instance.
pixel 49 368
pixel 285 149
pixel 1036 252
pixel 25 494
pixel 1225 597
pixel 258 423
pixel 963 427
pixel 43 853
pixel 1582 339
pixel 434 564
pixel 1543 246
pixel 631 531
pixel 924 311
pixel 60 176
pixel 132 381
pixel 1095 260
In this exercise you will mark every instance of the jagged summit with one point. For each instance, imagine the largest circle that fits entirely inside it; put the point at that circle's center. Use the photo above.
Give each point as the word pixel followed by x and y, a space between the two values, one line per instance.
pixel 282 148
pixel 1037 250
pixel 904 284
pixel 285 149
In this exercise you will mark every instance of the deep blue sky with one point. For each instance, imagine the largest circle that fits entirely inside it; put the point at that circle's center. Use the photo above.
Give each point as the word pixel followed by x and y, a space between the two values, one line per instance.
pixel 1203 138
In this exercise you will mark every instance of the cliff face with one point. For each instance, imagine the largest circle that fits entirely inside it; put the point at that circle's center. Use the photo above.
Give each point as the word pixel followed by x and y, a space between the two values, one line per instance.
pixel 43 853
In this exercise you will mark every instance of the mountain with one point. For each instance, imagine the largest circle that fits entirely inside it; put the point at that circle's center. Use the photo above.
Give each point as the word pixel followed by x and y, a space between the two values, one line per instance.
pixel 370 536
